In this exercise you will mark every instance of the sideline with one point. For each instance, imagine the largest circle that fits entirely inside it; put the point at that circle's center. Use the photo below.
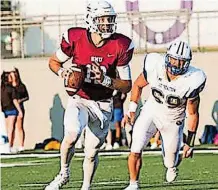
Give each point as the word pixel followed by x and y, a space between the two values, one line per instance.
pixel 46 155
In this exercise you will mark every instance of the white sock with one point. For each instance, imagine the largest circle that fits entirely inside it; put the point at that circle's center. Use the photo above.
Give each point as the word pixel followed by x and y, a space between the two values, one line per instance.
pixel 89 168
pixel 67 152
pixel 134 183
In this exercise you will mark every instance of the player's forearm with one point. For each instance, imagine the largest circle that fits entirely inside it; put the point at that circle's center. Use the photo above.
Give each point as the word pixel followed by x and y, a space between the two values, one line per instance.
pixel 136 93
pixel 54 64
pixel 193 121
pixel 123 86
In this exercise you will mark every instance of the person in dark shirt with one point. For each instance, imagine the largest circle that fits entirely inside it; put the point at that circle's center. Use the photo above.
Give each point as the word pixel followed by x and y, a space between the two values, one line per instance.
pixel 10 106
pixel 118 101
pixel 22 95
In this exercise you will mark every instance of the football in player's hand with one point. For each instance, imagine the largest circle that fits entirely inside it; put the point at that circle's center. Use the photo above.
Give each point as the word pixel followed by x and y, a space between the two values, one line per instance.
pixel 74 79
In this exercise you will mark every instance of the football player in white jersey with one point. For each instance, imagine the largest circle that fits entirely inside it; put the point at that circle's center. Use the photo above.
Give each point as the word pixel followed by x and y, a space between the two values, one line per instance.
pixel 175 88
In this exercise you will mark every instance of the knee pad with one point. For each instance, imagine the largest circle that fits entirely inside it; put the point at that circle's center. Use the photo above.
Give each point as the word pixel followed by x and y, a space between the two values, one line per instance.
pixel 90 153
pixel 71 137
pixel 136 147
pixel 75 119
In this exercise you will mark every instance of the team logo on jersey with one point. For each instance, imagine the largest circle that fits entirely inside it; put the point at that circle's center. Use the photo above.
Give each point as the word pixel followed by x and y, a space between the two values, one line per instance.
pixel 165 87
pixel 96 59
pixel 110 55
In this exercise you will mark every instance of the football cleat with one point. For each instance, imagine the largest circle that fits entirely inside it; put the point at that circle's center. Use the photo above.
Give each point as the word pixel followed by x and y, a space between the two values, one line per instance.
pixel 103 146
pixel 85 188
pixel 132 187
pixel 60 180
pixel 171 174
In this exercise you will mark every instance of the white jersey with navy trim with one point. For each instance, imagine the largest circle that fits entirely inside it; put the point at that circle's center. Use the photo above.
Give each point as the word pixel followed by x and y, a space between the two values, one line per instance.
pixel 169 97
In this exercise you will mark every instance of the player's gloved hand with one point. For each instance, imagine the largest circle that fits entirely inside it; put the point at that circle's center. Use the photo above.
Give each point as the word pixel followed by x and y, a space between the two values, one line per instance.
pixel 187 151
pixel 97 72
pixel 64 72
pixel 128 119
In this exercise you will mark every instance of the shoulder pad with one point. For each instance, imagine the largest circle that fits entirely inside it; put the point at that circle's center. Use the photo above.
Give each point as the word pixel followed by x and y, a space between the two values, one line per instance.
pixel 124 42
pixel 151 60
pixel 198 78
pixel 197 82
pixel 73 34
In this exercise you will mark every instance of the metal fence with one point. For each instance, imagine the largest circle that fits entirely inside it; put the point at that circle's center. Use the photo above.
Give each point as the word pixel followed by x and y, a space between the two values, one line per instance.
pixel 150 31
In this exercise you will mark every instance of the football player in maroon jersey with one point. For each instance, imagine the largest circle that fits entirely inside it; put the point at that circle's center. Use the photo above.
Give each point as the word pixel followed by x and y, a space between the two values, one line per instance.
pixel 102 53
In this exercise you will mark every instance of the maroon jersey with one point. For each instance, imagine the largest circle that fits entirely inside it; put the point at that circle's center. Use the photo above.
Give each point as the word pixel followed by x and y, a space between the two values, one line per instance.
pixel 117 51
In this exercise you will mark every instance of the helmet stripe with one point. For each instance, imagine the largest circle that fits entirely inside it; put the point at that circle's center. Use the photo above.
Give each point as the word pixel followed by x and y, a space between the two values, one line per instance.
pixel 182 49
pixel 178 48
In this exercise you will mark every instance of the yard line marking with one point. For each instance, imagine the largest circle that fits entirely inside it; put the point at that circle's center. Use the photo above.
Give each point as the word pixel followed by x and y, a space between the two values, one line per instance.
pixel 184 180
pixel 157 152
pixel 7 165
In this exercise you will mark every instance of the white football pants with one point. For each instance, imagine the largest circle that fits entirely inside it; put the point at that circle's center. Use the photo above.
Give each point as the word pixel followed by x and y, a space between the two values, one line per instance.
pixel 95 116
pixel 146 126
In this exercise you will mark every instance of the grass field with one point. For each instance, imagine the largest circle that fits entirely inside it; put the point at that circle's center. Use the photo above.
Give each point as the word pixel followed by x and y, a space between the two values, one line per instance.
pixel 198 173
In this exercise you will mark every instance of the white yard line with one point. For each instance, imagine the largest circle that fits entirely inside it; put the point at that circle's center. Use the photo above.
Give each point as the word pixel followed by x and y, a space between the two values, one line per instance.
pixel 158 152
pixel 104 184
pixel 8 165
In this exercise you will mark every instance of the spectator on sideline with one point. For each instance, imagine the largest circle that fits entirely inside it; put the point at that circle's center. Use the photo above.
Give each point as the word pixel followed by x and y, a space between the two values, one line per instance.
pixel 10 106
pixel 215 113
pixel 118 101
pixel 22 95
pixel 156 143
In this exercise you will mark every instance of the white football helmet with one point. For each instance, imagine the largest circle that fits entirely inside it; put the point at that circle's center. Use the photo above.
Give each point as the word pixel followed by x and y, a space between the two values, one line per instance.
pixel 97 9
pixel 178 50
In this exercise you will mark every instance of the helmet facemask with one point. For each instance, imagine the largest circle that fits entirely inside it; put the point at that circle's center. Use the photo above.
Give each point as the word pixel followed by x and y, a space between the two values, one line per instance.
pixel 106 25
pixel 179 51
pixel 101 19
pixel 176 70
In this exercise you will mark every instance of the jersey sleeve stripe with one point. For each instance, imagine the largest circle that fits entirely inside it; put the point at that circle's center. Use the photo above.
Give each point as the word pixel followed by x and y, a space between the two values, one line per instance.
pixel 61 55
pixel 197 91
pixel 144 69
pixel 124 72
pixel 66 36
pixel 131 46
